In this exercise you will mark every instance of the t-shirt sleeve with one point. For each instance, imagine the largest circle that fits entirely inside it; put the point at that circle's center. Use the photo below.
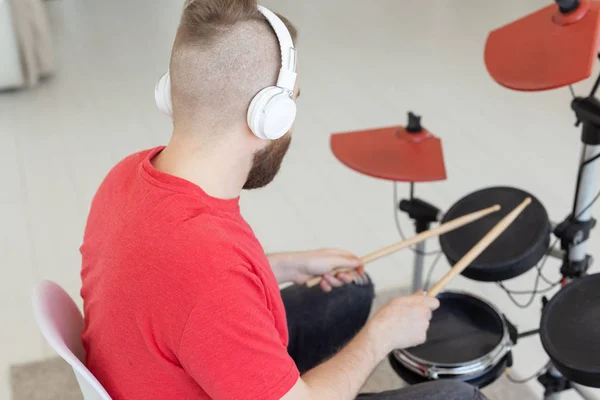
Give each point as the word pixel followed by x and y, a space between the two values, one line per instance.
pixel 230 345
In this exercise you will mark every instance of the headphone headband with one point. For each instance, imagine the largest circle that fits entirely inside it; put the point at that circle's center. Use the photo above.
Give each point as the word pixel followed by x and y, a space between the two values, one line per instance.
pixel 287 74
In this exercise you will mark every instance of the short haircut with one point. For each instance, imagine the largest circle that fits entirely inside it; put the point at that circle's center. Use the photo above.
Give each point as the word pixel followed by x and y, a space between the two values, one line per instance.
pixel 224 53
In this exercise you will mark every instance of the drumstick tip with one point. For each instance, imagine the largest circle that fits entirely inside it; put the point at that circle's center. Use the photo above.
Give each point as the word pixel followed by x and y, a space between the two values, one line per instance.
pixel 496 207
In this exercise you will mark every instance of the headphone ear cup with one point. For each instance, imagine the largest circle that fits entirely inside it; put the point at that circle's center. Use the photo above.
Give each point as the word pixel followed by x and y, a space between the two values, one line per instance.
pixel 271 113
pixel 257 106
pixel 162 95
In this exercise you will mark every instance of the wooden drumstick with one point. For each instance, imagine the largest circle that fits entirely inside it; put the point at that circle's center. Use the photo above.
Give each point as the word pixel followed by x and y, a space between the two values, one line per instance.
pixel 444 228
pixel 472 254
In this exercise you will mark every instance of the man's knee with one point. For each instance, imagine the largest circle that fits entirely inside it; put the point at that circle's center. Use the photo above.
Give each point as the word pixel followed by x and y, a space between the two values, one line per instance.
pixel 454 390
pixel 435 390
pixel 357 297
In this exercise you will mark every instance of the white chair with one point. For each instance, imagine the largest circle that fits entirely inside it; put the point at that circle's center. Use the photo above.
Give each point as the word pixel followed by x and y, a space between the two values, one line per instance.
pixel 61 324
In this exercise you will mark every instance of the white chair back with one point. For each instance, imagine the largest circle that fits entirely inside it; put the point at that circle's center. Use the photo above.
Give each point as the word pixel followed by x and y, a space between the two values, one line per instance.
pixel 61 324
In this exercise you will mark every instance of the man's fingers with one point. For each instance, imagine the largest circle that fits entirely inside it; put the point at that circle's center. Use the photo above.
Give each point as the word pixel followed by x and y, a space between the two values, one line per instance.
pixel 431 302
pixel 334 282
pixel 345 277
pixel 326 287
pixel 328 282
pixel 362 280
pixel 419 298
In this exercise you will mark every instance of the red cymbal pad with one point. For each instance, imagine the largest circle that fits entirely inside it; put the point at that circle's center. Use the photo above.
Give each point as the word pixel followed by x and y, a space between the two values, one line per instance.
pixel 391 153
pixel 545 50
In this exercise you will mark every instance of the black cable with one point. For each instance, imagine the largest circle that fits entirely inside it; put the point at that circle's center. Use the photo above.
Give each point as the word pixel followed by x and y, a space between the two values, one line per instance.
pixel 590 205
pixel 515 302
pixel 536 289
pixel 540 267
pixel 430 273
pixel 541 371
pixel 586 162
pixel 548 281
pixel 579 173
pixel 578 186
pixel 530 292
pixel 399 226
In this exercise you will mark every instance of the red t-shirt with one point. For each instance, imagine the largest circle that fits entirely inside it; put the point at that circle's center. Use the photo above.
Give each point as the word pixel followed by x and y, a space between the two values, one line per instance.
pixel 179 298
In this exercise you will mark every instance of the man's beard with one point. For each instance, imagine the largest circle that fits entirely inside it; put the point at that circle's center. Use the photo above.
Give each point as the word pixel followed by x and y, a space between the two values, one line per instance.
pixel 267 162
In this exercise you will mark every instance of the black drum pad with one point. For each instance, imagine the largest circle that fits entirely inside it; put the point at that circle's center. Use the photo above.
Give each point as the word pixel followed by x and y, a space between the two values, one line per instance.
pixel 570 330
pixel 519 248
pixel 462 329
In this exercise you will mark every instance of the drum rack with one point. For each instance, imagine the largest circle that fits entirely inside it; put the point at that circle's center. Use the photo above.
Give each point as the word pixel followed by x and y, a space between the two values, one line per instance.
pixel 575 230
pixel 423 214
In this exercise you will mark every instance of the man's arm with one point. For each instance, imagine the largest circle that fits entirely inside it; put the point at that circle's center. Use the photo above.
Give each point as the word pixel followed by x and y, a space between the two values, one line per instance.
pixel 341 377
pixel 300 266
pixel 283 266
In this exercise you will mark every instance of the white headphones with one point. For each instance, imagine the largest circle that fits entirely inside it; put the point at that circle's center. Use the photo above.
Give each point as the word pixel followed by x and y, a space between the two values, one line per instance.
pixel 272 111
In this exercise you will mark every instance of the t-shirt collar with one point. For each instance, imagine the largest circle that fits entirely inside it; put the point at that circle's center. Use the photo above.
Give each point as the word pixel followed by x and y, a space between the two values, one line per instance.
pixel 181 185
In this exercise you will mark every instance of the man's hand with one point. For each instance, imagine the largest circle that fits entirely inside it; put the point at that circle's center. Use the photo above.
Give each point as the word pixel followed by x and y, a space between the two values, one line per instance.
pixel 404 321
pixel 298 267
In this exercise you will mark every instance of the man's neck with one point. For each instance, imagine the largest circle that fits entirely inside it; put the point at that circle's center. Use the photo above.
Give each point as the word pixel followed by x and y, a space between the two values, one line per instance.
pixel 220 169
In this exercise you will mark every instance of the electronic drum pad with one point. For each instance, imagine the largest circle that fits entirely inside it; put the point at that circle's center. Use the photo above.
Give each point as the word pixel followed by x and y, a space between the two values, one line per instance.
pixel 468 340
pixel 515 252
pixel 570 330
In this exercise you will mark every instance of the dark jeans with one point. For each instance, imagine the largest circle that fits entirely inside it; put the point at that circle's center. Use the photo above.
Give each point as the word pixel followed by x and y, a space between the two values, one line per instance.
pixel 320 324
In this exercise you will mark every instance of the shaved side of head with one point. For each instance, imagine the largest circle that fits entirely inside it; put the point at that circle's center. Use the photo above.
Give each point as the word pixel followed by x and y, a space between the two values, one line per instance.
pixel 225 52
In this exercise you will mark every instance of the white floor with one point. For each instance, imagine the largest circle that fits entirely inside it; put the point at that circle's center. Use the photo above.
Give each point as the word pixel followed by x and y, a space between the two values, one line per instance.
pixel 360 67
